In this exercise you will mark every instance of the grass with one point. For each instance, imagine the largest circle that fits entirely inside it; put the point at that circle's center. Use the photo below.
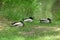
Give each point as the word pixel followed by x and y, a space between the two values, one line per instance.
pixel 31 31
pixel 16 10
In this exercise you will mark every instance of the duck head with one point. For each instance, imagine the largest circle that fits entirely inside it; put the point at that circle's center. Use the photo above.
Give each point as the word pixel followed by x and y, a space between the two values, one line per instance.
pixel 31 17
pixel 49 19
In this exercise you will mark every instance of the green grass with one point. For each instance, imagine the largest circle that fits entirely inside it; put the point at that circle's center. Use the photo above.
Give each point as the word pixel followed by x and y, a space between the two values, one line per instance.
pixel 31 31
pixel 19 9
pixel 16 10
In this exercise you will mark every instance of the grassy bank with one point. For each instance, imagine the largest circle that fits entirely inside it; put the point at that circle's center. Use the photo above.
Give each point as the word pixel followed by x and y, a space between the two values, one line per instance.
pixel 16 10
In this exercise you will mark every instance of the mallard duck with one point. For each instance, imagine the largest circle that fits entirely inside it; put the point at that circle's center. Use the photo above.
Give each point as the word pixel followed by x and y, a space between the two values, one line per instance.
pixel 18 23
pixel 48 20
pixel 30 19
